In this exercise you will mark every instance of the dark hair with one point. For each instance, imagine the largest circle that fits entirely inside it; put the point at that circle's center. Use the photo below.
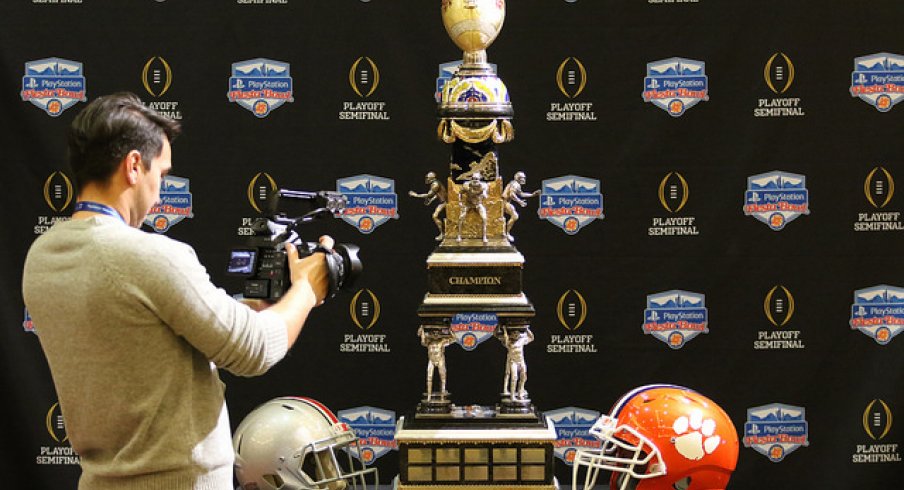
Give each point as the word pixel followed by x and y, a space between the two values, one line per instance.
pixel 108 128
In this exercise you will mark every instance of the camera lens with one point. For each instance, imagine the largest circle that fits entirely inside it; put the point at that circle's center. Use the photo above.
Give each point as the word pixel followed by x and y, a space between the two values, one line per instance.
pixel 351 264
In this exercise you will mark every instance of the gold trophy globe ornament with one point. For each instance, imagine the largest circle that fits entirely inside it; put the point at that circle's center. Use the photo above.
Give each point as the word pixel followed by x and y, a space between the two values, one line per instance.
pixel 475 103
pixel 473 25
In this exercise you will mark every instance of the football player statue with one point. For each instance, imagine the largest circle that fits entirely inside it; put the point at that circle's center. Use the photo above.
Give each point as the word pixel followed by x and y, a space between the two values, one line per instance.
pixel 471 196
pixel 437 191
pixel 436 359
pixel 514 192
pixel 515 365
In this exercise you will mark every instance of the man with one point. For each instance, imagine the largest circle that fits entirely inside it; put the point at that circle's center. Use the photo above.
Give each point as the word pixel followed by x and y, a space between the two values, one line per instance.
pixel 132 328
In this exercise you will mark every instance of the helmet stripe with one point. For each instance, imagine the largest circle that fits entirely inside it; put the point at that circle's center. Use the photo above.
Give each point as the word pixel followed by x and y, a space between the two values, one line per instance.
pixel 321 408
pixel 616 409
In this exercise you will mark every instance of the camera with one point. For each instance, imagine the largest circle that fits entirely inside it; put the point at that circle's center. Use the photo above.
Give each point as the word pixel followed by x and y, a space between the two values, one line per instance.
pixel 263 261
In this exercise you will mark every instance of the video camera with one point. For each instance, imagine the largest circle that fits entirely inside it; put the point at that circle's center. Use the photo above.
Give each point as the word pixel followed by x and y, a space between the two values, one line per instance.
pixel 264 262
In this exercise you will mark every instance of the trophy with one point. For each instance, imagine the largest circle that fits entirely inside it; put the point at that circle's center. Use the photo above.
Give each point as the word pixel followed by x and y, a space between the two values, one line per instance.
pixel 474 287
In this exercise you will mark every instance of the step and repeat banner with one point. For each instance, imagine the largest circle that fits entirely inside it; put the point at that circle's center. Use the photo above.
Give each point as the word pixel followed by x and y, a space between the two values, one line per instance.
pixel 718 206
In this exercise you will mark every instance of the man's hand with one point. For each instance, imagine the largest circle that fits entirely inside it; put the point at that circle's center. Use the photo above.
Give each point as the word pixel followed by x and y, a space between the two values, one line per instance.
pixel 311 270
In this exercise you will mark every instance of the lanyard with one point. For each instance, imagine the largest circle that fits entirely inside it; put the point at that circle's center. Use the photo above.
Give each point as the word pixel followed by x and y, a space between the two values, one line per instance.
pixel 97 207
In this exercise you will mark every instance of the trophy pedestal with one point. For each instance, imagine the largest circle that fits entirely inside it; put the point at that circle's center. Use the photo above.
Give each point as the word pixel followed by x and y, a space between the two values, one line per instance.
pixel 478 447
pixel 435 404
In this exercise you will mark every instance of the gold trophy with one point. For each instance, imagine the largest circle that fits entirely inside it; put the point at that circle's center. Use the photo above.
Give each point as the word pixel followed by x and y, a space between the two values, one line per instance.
pixel 474 288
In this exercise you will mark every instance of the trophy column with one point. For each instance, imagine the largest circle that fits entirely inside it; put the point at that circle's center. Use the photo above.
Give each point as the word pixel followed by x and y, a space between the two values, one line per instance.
pixel 474 288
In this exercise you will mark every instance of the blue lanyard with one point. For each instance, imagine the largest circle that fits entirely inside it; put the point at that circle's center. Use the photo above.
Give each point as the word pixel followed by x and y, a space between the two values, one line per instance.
pixel 97 207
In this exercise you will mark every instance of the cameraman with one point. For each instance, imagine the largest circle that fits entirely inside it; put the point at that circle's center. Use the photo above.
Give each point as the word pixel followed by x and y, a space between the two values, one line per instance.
pixel 132 327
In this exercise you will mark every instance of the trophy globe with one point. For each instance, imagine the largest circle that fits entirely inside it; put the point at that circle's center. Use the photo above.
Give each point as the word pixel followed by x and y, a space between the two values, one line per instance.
pixel 473 25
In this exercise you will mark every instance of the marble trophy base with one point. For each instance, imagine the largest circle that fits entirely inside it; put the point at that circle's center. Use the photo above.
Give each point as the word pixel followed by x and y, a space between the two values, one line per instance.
pixel 477 447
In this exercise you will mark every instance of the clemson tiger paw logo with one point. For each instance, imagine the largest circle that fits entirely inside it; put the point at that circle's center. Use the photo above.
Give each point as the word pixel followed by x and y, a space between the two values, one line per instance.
pixel 695 436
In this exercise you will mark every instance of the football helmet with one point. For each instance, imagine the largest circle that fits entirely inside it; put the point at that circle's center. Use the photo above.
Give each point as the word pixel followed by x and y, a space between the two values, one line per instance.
pixel 661 437
pixel 291 443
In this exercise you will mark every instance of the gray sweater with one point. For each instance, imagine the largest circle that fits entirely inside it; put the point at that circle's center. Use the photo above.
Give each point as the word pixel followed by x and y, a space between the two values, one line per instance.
pixel 134 332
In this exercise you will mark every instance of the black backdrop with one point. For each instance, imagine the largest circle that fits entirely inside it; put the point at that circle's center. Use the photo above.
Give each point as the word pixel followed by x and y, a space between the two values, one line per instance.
pixel 848 384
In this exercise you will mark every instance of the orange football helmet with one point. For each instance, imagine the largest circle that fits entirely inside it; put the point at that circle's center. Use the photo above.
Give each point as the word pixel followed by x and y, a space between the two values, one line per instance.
pixel 661 437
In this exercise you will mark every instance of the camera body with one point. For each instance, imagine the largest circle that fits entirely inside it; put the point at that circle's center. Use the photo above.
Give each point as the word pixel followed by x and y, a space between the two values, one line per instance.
pixel 263 260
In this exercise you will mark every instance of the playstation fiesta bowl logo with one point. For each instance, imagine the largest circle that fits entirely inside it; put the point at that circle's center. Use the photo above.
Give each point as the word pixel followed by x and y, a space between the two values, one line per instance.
pixel 375 429
pixel 573 431
pixel 675 317
pixel 472 329
pixel 878 79
pixel 174 205
pixel 53 84
pixel 878 312
pixel 776 430
pixel 675 85
pixel 776 198
pixel 372 201
pixel 260 85
pixel 571 202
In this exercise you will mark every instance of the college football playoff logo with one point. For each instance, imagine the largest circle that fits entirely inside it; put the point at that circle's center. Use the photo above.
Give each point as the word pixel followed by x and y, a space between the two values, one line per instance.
pixel 156 76
pixel 364 309
pixel 53 422
pixel 571 77
pixel 673 192
pixel 779 73
pixel 779 306
pixel 879 187
pixel 877 419
pixel 260 188
pixel 571 310
pixel 58 191
pixel 364 76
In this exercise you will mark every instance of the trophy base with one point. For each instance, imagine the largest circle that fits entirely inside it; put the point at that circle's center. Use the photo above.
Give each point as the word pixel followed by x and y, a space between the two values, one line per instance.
pixel 476 446
pixel 509 405
pixel 435 404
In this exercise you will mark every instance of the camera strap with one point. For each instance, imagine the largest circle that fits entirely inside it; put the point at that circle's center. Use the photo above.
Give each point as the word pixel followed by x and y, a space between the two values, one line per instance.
pixel 96 207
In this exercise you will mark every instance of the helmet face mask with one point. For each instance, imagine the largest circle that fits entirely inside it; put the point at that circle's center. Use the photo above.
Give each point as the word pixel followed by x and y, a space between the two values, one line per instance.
pixel 661 437
pixel 298 444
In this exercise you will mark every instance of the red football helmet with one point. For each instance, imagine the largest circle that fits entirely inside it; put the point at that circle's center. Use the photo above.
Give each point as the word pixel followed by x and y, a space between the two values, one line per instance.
pixel 661 437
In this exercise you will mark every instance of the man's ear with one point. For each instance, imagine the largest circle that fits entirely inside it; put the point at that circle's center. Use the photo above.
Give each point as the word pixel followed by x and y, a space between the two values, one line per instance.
pixel 132 166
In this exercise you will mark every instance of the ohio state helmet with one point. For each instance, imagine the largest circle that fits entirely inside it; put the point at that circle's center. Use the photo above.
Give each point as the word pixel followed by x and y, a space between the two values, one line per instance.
pixel 291 443
pixel 661 437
